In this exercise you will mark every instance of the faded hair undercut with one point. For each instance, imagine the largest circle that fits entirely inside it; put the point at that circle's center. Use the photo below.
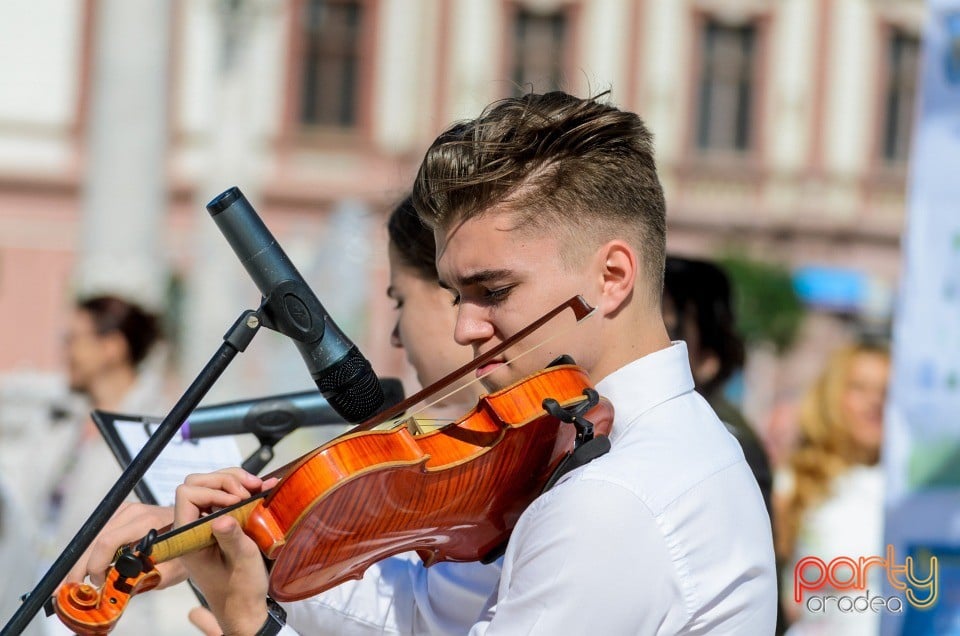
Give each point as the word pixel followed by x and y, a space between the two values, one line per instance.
pixel 577 165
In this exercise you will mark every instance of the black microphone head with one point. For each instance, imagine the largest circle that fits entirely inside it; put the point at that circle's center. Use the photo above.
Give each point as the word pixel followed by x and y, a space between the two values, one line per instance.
pixel 393 392
pixel 352 388
pixel 223 200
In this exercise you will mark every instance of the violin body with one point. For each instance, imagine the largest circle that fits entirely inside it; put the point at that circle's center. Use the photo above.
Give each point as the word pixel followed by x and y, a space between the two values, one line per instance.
pixel 453 494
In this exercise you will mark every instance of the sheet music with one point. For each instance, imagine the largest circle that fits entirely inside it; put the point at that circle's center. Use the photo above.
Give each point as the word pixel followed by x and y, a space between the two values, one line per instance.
pixel 179 458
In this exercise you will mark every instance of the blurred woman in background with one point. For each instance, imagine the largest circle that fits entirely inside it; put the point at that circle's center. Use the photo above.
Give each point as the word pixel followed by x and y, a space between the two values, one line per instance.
pixel 830 500
pixel 442 598
pixel 424 310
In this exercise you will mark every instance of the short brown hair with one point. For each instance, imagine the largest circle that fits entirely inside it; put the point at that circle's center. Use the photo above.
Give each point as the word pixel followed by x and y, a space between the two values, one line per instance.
pixel 139 329
pixel 553 157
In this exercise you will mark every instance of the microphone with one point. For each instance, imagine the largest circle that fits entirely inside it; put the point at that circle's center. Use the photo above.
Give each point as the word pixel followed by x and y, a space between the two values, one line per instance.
pixel 275 416
pixel 342 374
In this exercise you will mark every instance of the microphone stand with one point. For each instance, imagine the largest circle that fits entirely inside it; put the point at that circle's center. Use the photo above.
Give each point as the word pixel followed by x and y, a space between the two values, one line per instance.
pixel 235 340
pixel 259 458
pixel 262 456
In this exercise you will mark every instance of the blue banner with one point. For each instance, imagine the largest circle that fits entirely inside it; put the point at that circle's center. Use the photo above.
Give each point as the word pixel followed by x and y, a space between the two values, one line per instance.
pixel 922 445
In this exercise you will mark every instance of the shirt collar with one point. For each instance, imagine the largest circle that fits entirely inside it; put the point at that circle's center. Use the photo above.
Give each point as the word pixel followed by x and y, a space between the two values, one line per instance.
pixel 645 383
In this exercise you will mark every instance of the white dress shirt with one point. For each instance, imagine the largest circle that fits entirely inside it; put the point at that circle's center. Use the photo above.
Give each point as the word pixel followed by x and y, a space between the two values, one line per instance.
pixel 399 596
pixel 665 534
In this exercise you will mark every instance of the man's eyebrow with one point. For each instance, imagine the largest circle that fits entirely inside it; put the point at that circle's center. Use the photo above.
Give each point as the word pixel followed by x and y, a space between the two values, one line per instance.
pixel 478 278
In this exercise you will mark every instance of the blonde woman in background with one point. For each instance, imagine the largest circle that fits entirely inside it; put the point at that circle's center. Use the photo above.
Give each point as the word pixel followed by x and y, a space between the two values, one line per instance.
pixel 830 499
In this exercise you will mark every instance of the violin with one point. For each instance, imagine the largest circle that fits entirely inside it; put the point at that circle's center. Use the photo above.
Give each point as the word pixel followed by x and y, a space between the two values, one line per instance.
pixel 451 494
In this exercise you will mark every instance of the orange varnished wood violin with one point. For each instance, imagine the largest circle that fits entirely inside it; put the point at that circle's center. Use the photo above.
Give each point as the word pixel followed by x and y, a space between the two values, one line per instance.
pixel 451 494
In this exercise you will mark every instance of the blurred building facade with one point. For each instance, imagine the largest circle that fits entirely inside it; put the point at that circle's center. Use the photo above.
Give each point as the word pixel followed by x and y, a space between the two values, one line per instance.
pixel 782 130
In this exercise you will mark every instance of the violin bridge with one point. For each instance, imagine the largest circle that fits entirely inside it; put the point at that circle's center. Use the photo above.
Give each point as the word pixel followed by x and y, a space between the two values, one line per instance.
pixel 413 426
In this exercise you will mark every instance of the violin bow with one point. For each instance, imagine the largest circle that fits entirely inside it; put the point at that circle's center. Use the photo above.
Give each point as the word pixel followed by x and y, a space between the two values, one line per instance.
pixel 159 538
pixel 581 310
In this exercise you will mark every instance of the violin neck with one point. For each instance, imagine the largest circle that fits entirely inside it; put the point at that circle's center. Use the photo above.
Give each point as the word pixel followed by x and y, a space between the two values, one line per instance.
pixel 197 535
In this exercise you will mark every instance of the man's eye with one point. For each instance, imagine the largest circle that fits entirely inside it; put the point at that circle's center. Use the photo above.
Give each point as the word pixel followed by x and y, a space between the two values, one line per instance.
pixel 484 296
pixel 498 294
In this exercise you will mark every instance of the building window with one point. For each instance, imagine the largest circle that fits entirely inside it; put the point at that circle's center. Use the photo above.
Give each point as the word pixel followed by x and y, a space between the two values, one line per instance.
pixel 903 60
pixel 331 64
pixel 726 88
pixel 539 47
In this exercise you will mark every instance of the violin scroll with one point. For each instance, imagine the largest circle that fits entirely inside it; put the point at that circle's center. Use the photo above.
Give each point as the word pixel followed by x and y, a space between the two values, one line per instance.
pixel 89 611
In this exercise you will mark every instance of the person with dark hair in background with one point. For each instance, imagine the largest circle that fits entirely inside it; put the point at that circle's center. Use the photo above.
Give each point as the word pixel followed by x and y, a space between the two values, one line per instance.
pixel 106 341
pixel 425 317
pixel 698 309
pixel 539 199
pixel 106 346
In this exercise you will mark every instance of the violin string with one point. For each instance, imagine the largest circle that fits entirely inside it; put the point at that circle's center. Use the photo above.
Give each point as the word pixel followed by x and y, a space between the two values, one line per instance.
pixel 435 423
pixel 481 377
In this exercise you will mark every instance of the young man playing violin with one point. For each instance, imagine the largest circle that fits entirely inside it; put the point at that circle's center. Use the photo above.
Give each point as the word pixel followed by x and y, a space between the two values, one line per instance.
pixel 539 199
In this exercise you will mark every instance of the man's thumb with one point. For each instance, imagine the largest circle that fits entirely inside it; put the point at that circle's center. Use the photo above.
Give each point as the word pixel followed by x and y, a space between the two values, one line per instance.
pixel 204 620
pixel 230 537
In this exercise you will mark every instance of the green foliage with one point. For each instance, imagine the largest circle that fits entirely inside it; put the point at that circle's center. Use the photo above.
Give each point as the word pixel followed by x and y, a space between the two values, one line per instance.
pixel 767 308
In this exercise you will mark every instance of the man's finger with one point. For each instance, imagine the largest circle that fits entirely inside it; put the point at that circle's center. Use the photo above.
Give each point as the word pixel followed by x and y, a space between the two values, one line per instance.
pixel 235 480
pixel 129 525
pixel 192 500
pixel 204 620
pixel 233 542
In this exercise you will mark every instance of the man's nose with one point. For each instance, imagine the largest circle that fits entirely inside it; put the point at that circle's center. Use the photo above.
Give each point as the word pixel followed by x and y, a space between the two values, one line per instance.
pixel 395 340
pixel 472 325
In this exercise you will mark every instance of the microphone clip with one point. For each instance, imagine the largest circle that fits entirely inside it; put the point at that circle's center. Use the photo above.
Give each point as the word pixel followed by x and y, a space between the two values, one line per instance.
pixel 290 309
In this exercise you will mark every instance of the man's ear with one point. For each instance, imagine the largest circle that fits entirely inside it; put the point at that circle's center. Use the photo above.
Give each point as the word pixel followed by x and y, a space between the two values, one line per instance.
pixel 618 271
pixel 116 345
pixel 706 368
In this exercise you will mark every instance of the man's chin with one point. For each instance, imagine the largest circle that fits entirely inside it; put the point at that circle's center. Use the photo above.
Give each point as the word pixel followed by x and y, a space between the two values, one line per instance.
pixel 496 380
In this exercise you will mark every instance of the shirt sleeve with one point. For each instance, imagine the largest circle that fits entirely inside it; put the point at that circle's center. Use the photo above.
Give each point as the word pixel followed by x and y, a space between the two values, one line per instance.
pixel 597 564
pixel 399 596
